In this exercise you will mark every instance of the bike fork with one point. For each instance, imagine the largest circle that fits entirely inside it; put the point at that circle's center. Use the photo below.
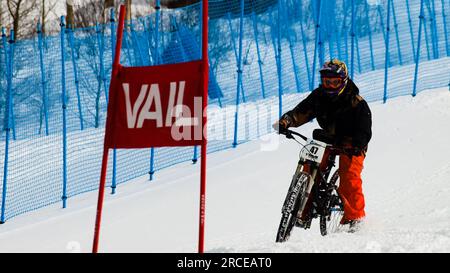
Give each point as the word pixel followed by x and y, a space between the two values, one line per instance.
pixel 307 193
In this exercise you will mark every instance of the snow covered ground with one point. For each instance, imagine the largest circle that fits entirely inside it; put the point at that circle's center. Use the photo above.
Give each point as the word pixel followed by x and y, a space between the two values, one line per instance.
pixel 406 183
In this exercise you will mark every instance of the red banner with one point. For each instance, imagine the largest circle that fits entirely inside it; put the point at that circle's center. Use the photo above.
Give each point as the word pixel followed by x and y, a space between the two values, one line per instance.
pixel 156 106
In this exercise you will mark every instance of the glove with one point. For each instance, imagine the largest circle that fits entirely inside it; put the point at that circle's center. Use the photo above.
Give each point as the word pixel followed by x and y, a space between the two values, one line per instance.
pixel 284 123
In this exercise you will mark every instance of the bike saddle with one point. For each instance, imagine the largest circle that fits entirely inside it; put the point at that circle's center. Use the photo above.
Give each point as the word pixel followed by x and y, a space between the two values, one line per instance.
pixel 322 135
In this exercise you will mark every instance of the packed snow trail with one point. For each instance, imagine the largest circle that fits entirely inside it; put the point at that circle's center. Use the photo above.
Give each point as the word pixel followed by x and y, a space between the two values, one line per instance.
pixel 406 182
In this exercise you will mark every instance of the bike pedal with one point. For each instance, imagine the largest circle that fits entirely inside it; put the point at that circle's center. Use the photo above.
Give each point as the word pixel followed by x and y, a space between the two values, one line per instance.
pixel 299 223
pixel 302 224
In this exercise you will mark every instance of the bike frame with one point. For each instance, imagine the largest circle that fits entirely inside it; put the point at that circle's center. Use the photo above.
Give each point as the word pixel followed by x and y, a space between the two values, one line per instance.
pixel 319 174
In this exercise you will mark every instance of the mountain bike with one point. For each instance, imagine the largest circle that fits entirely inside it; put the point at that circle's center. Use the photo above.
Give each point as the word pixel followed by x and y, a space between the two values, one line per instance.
pixel 311 194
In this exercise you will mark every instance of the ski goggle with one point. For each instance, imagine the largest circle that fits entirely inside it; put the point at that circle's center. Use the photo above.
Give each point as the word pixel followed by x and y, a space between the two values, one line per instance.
pixel 332 83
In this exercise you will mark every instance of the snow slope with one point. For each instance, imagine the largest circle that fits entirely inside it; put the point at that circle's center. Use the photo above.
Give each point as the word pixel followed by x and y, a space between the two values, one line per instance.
pixel 406 183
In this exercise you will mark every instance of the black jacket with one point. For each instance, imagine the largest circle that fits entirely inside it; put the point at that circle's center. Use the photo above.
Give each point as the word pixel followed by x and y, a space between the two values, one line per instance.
pixel 346 117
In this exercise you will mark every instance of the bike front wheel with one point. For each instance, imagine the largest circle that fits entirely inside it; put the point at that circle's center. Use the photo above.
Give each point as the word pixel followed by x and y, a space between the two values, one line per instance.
pixel 294 199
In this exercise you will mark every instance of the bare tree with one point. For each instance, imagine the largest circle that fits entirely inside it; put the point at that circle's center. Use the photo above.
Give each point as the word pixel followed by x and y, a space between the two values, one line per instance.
pixel 89 14
pixel 20 11
pixel 47 7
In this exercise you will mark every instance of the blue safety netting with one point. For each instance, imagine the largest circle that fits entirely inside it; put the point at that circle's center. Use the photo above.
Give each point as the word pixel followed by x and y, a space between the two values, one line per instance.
pixel 264 56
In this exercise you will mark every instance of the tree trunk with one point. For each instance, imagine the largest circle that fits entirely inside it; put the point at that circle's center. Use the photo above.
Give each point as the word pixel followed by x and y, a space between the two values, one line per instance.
pixel 109 4
pixel 16 25
pixel 106 8
pixel 173 4
pixel 128 5
pixel 16 18
pixel 1 13
pixel 70 16
pixel 43 17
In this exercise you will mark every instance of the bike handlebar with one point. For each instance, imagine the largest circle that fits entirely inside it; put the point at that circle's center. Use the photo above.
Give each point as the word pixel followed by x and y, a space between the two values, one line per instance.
pixel 290 135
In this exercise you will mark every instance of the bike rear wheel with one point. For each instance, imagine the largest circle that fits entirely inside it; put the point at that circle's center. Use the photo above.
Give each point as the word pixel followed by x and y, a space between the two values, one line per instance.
pixel 331 222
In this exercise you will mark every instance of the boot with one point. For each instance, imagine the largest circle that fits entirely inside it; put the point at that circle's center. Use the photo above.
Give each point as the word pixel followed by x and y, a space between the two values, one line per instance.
pixel 355 225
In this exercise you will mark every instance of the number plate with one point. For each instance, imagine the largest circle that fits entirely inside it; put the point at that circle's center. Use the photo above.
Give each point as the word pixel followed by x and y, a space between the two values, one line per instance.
pixel 313 151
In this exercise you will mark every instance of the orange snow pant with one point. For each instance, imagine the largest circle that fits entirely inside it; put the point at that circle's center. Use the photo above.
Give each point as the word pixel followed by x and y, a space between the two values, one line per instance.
pixel 350 187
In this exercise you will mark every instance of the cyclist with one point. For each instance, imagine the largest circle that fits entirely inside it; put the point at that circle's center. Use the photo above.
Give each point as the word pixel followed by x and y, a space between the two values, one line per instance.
pixel 343 114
